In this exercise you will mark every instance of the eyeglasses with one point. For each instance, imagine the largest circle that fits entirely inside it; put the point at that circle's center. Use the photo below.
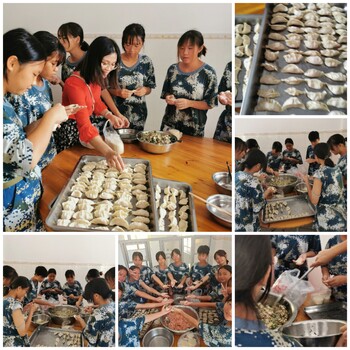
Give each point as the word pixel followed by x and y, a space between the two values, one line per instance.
pixel 111 66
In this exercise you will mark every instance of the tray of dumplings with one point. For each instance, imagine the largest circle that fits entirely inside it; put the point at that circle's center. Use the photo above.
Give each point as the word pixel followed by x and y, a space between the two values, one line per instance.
pixel 148 325
pixel 247 31
pixel 175 207
pixel 100 198
pixel 287 208
pixel 56 337
pixel 300 61
pixel 209 316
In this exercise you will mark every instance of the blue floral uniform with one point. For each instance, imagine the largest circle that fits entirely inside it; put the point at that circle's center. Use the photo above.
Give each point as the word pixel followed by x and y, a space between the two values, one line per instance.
pixel 255 334
pixel 130 289
pixel 274 161
pixel 178 273
pixel 219 307
pixel 291 154
pixel 10 334
pixel 249 201
pixel 146 275
pixel 162 275
pixel 74 289
pixel 330 209
pixel 141 74
pixel 216 293
pixel 33 293
pixel 198 272
pixel 199 85
pixel 100 327
pixel 213 281
pixel 338 267
pixel 216 335
pixel 223 131
pixel 126 308
pixel 343 165
pixel 69 67
pixel 129 332
pixel 50 285
pixel 312 166
pixel 22 186
pixel 290 247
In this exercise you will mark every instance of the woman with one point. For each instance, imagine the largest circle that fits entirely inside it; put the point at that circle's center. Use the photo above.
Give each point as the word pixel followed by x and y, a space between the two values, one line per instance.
pixel 240 153
pixel 83 87
pixel 223 130
pixel 190 87
pixel 291 156
pixel 23 60
pixel 146 272
pixel 15 327
pixel 250 197
pixel 9 274
pixel 253 272
pixel 327 192
pixel 178 272
pixel 135 78
pixel 160 272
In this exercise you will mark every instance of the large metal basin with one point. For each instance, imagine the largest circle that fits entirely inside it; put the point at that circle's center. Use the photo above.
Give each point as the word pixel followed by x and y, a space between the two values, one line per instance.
pixel 63 315
pixel 283 182
pixel 189 310
pixel 158 337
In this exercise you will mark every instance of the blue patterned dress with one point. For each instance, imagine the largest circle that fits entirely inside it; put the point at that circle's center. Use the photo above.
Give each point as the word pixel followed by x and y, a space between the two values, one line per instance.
pixel 290 247
pixel 50 285
pixel 146 275
pixel 216 293
pixel 198 272
pixel 274 161
pixel 10 333
pixel 249 201
pixel 312 166
pixel 291 154
pixel 33 293
pixel 223 131
pixel 216 335
pixel 69 67
pixel 141 74
pixel 330 209
pixel 343 165
pixel 162 275
pixel 21 199
pixel 213 281
pixel 129 332
pixel 338 267
pixel 126 309
pixel 74 289
pixel 199 85
pixel 178 273
pixel 130 291
pixel 100 327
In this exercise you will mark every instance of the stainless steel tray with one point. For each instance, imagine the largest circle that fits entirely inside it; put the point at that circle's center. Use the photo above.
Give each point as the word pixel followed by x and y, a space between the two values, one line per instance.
pixel 252 20
pixel 333 311
pixel 205 318
pixel 299 205
pixel 56 209
pixel 251 98
pixel 45 336
pixel 163 183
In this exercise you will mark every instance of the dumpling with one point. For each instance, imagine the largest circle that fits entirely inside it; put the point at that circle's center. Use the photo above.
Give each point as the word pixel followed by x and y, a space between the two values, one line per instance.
pixel 330 44
pixel 271 56
pixel 269 66
pixel 277 36
pixel 269 79
pixel 171 206
pixel 295 22
pixel 279 19
pixel 100 221
pixel 82 223
pixel 311 53
pixel 268 105
pixel 142 204
pixel 294 29
pixel 278 27
pixel 331 62
pixel 69 205
pixel 315 60
pixel 83 214
pixel 67 214
pixel 139 181
pixel 183 225
pixel 106 195
pixel 268 93
pixel 293 43
pixel 76 193
pixel 336 76
pixel 138 226
pixel 311 36
pixel 292 102
pixel 183 216
pixel 316 105
pixel 63 222
pixel 92 194
pixel 293 57
pixel 141 196
pixel 329 53
pixel 337 89
pixel 118 229
pixel 89 166
pixel 312 44
pixel 119 222
pixel 238 40
pixel 84 206
pixel 183 209
pixel 293 80
pixel 120 214
pixel 313 73
pixel 337 102
pixel 315 83
pixel 183 201
pixel 141 219
pixel 292 68
pixel 316 96
pixel 280 8
pixel 294 92
pixel 312 23
pixel 79 186
pixel 275 46
pixel 73 199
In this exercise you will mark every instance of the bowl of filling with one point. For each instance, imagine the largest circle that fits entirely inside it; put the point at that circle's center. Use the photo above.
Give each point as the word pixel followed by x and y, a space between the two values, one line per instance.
pixel 157 142
pixel 176 322
pixel 283 182
pixel 64 314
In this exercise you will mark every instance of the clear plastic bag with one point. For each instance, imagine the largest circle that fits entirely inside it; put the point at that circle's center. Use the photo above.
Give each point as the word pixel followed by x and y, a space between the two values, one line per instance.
pixel 112 138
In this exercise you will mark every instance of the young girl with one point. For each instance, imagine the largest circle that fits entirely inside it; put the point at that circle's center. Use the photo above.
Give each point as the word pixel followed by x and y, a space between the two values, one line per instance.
pixel 72 289
pixel 160 272
pixel 32 105
pixel 291 156
pixel 274 158
pixel 240 152
pixel 314 138
pixel 250 197
pixel 9 274
pixel 23 60
pixel 92 274
pixel 327 192
pixel 15 328
pixel 136 77
pixel 190 87
pixel 83 87
pixel 223 131
pixel 178 272
pixel 220 257
pixel 145 271
pixel 51 288
pixel 99 330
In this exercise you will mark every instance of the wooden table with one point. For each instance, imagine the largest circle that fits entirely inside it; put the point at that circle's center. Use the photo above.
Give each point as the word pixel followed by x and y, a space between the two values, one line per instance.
pixel 249 9
pixel 301 316
pixel 192 161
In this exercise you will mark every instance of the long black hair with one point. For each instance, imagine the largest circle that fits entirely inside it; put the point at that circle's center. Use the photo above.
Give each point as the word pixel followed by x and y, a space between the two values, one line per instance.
pixel 75 30
pixel 132 31
pixel 11 274
pixel 22 282
pixel 240 145
pixel 23 45
pixel 254 157
pixel 322 151
pixel 253 256
pixel 51 44
pixel 194 37
pixel 90 67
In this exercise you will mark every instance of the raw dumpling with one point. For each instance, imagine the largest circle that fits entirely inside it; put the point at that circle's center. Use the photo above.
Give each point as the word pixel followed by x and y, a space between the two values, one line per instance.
pixel 138 226
pixel 293 57
pixel 63 222
pixel 118 229
pixel 92 194
pixel 337 89
pixel 120 214
pixel 295 44
pixel 280 8
pixel 76 193
pixel 100 221
pixel 183 209
pixel 141 212
pixel 337 102
pixel 141 219
pixel 315 60
pixel 292 68
pixel 316 105
pixel 269 80
pixel 331 62
pixel 293 80
pixel 183 201
pixel 276 36
pixel 80 223
pixel 106 195
pixel 275 46
pixel 142 204
pixel 268 105
pixel 295 22
pixel 313 73
pixel 294 29
pixel 69 205
pixel 67 214
pixel 278 27
pixel 84 206
pixel 269 93
pixel 312 44
pixel 330 44
pixel 312 23
pixel 269 66
pixel 271 56
pixel 311 53
pixel 329 53
pixel 279 19
pixel 83 214
pixel 336 76
pixel 315 83
pixel 294 92
pixel 119 222
pixel 292 102
pixel 183 224
pixel 316 96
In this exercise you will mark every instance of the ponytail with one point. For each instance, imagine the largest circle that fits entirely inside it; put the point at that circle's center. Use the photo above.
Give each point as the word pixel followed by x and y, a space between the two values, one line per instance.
pixel 84 46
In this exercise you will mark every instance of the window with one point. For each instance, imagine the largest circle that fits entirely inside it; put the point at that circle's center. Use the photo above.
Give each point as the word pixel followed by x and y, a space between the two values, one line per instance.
pixel 137 247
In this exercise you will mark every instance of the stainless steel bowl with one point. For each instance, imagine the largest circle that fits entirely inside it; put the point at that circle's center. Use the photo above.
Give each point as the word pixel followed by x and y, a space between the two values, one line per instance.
pixel 41 319
pixel 320 333
pixel 127 135
pixel 188 339
pixel 301 188
pixel 153 147
pixel 223 201
pixel 57 314
pixel 189 310
pixel 223 182
pixel 285 188
pixel 158 337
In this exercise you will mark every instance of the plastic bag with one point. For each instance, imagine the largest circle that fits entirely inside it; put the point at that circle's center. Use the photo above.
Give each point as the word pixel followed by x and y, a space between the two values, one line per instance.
pixel 294 289
pixel 112 138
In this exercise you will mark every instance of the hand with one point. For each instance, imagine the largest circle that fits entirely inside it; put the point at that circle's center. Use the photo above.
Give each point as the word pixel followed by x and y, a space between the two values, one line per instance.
pixel 55 79
pixel 115 121
pixel 34 307
pixel 125 93
pixel 190 296
pixel 79 319
pixel 57 114
pixel 191 288
pixel 167 302
pixel 125 120
pixel 323 258
pixel 185 302
pixel 77 303
pixel 27 307
pixel 180 286
pixel 325 277
pixel 262 176
pixel 164 295
pixel 159 299
pixel 170 100
pixel 336 281
pixel 166 309
pixel 165 286
pixel 88 309
pixel 182 103
pixel 74 108
pixel 173 282
pixel 71 296
pixel 114 160
pixel 225 98
pixel 141 91
pixel 301 260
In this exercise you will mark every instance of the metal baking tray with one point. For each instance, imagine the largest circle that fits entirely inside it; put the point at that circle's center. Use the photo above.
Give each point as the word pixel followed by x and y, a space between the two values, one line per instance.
pixel 45 336
pixel 299 205
pixel 204 311
pixel 332 311
pixel 252 20
pixel 163 183
pixel 251 98
pixel 148 325
pixel 56 209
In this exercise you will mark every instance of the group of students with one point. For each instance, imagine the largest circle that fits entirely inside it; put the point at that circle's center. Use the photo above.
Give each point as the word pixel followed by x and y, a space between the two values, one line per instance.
pixel 22 295
pixel 328 192
pixel 140 287
pixel 255 272
pixel 99 84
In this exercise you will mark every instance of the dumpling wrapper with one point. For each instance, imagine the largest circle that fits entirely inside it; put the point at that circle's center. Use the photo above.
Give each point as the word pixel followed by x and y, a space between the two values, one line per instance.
pixel 315 83
pixel 337 102
pixel 269 79
pixel 119 222
pixel 316 105
pixel 337 89
pixel 268 93
pixel 268 105
pixel 292 102
pixel 294 91
pixel 316 96
pixel 292 68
